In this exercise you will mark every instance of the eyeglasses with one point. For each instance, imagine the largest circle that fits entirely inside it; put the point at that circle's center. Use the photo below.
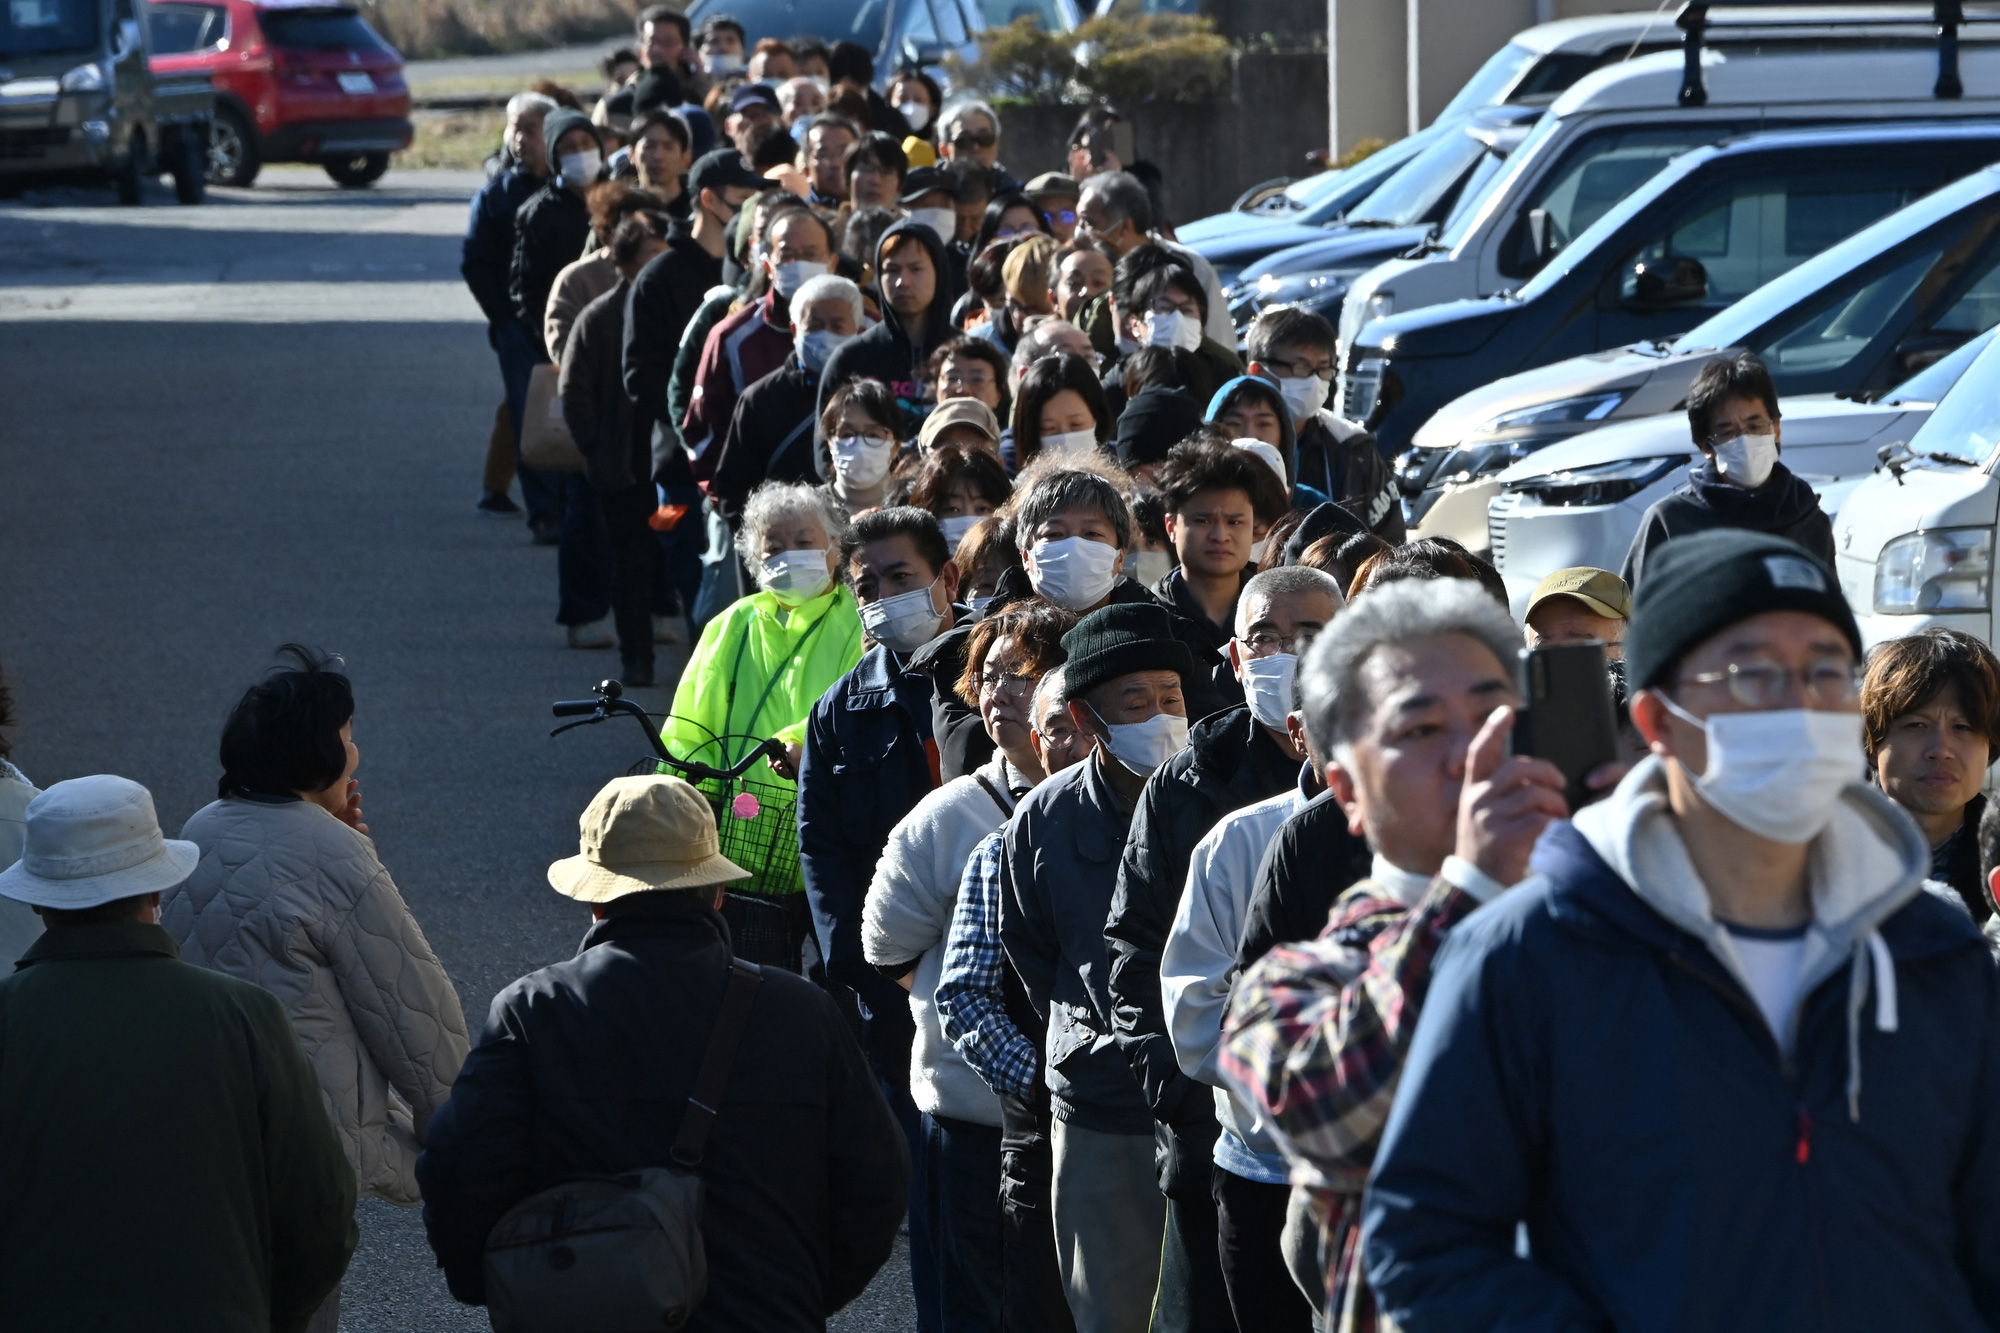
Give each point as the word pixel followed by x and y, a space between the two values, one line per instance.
pixel 1827 683
pixel 1265 642
pixel 971 139
pixel 1065 216
pixel 1722 435
pixel 996 682
pixel 981 378
pixel 872 434
pixel 1299 369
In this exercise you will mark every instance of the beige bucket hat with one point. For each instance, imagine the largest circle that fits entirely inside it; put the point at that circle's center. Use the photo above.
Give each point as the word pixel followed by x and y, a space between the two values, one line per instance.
pixel 640 834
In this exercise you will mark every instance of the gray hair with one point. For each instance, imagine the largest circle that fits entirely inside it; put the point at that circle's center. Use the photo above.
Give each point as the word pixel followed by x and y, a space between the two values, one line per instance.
pixel 522 104
pixel 1040 341
pixel 1284 579
pixel 1122 196
pixel 826 287
pixel 775 500
pixel 956 111
pixel 1335 693
pixel 1069 488
pixel 1050 686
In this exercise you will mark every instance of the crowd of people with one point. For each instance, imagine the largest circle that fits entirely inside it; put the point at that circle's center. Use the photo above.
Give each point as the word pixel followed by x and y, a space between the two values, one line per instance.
pixel 1138 900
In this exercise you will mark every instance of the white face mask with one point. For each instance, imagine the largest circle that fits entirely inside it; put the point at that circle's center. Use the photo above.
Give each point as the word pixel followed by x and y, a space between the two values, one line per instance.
pixel 1144 746
pixel 1069 440
pixel 795 576
pixel 1303 396
pixel 788 278
pixel 1173 328
pixel 943 221
pixel 817 346
pixel 978 605
pixel 721 64
pixel 580 169
pixel 860 461
pixel 903 623
pixel 956 528
pixel 1747 460
pixel 1778 773
pixel 918 114
pixel 1075 573
pixel 1149 567
pixel 1267 686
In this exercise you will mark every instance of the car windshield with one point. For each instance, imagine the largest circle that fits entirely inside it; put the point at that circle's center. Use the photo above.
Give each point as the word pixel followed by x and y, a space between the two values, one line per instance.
pixel 1366 176
pixel 1308 191
pixel 999 13
pixel 45 27
pixel 318 30
pixel 1410 196
pixel 1494 80
pixel 828 20
pixel 1966 423
pixel 1934 381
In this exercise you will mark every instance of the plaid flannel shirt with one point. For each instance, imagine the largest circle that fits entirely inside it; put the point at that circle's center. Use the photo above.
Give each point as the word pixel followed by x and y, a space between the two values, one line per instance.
pixel 971 1009
pixel 1316 1037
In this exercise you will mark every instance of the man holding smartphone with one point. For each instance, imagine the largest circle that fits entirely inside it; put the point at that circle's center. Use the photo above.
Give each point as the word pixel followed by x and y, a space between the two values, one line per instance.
pixel 1727 1060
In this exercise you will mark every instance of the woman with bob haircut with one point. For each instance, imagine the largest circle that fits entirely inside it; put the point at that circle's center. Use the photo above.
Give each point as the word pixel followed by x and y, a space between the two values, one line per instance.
pixel 1060 406
pixel 959 486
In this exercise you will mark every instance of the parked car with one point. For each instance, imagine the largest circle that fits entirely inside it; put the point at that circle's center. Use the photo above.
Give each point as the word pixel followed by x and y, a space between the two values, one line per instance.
pixel 1618 126
pixel 295 81
pixel 895 32
pixel 1854 320
pixel 1580 502
pixel 79 102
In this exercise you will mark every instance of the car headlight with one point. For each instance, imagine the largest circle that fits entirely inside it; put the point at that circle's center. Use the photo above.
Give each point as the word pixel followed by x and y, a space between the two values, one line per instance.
pixel 1469 462
pixel 84 79
pixel 1949 569
pixel 1363 387
pixel 1588 407
pixel 1604 484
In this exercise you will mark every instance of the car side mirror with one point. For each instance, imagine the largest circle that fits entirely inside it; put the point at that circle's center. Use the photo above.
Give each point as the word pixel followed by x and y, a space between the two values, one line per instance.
pixel 1666 282
pixel 1539 242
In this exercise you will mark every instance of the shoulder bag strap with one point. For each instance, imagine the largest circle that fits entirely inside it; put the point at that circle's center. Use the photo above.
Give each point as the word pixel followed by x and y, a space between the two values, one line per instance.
pixel 692 1141
pixel 1006 806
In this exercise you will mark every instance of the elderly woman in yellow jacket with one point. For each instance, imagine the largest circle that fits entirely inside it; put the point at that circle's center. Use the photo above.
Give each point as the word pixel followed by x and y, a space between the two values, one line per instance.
pixel 754 676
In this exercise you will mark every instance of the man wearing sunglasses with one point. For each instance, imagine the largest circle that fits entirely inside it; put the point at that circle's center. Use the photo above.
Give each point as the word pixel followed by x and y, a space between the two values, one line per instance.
pixel 969 135
pixel 1055 195
pixel 1723 1054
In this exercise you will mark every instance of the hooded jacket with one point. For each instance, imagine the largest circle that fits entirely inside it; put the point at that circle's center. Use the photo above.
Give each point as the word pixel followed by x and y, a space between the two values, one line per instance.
pixel 1208 640
pixel 1301 490
pixel 1590 1060
pixel 550 233
pixel 1338 458
pixel 889 352
pixel 1784 506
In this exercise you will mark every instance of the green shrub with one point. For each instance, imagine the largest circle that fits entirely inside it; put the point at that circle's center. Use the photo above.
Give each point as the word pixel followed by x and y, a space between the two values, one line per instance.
pixel 1136 58
pixel 1020 62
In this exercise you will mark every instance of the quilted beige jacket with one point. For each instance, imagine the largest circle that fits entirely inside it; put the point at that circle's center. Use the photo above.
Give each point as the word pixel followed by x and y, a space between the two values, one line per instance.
pixel 292 899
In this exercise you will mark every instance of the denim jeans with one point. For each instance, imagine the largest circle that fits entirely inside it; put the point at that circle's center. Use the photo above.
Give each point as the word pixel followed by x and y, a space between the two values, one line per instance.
pixel 583 555
pixel 521 350
pixel 962 1161
pixel 679 573
pixel 923 1244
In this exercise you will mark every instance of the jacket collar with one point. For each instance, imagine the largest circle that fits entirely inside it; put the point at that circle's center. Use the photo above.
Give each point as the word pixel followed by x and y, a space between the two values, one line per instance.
pixel 875 680
pixel 676 914
pixel 121 939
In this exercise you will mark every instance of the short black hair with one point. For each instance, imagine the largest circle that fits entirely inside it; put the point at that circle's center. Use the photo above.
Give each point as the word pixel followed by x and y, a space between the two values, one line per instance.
pixel 862 233
pixel 673 122
pixel 919 525
pixel 663 14
pixel 969 181
pixel 284 735
pixel 1044 380
pixel 979 349
pixel 624 55
pixel 633 233
pixel 715 23
pixel 1149 515
pixel 1146 289
pixel 775 147
pixel 1288 326
pixel 809 48
pixel 1137 262
pixel 849 62
pixel 879 148
pixel 1736 374
pixel 1194 466
pixel 1152 368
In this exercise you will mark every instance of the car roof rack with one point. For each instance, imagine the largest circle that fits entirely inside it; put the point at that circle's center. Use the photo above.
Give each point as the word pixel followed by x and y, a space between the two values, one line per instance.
pixel 1696 22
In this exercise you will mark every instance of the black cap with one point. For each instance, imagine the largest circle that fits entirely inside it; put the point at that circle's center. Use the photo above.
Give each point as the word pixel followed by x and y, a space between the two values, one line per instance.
pixel 1697 586
pixel 753 94
pixel 722 169
pixel 1119 639
pixel 560 122
pixel 923 180
pixel 1325 520
pixel 1154 421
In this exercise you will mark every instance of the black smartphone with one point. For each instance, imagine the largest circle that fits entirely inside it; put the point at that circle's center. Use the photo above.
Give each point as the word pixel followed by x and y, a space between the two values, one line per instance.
pixel 1567 713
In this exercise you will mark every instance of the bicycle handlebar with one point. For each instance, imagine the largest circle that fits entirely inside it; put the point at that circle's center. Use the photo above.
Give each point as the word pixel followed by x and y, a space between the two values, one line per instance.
pixel 610 702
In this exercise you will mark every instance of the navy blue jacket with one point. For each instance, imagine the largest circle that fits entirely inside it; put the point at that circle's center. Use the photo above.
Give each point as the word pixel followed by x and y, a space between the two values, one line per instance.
pixel 866 765
pixel 486 258
pixel 1586 1066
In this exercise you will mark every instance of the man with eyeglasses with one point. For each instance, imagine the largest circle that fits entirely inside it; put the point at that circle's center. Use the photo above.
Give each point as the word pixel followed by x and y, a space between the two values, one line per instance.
pixel 969 135
pixel 1055 195
pixel 1233 759
pixel 1733 413
pixel 1725 1057
pixel 1294 349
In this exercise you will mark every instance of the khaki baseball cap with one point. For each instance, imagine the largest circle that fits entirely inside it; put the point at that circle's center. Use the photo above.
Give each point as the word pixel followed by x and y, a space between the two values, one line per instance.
pixel 958 412
pixel 1599 589
pixel 640 834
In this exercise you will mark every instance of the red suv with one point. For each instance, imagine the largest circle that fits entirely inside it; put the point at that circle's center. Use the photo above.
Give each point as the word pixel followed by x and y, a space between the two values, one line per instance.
pixel 294 82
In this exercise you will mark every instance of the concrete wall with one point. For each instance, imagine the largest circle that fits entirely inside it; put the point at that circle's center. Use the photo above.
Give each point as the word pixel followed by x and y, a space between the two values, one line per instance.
pixel 1210 152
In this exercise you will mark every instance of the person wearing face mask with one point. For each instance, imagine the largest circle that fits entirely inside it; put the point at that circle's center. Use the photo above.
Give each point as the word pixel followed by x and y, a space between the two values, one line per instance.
pixel 1115 211
pixel 754 675
pixel 1123 679
pixel 1059 410
pixel 770 433
pixel 757 339
pixel 1732 412
pixel 959 486
pixel 910 269
pixel 1156 302
pixel 1235 758
pixel 909 906
pixel 859 439
pixel 720 43
pixel 1798 1025
pixel 1294 350
pixel 553 226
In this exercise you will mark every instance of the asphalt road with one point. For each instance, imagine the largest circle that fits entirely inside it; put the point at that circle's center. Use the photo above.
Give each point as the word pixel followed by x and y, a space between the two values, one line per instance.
pixel 262 420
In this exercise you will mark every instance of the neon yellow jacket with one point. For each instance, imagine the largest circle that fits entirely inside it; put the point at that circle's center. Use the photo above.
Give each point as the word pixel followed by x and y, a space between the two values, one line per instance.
pixel 745 656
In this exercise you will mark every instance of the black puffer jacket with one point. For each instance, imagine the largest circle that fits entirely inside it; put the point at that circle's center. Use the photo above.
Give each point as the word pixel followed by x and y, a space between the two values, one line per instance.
pixel 549 233
pixel 1311 863
pixel 585 1067
pixel 770 437
pixel 1230 762
pixel 1783 506
pixel 889 352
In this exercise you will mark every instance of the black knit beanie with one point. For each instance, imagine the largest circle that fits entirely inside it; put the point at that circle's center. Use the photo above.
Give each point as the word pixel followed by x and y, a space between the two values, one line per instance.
pixel 1119 639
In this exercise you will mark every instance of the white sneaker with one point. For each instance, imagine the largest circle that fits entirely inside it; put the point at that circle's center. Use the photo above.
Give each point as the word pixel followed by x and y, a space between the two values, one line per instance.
pixel 666 629
pixel 597 634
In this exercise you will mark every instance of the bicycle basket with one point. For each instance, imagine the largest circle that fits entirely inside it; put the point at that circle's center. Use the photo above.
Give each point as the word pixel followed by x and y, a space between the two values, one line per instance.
pixel 756 825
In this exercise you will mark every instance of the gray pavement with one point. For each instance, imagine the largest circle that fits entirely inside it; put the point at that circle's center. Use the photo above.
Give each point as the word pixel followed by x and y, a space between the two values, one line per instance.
pixel 262 420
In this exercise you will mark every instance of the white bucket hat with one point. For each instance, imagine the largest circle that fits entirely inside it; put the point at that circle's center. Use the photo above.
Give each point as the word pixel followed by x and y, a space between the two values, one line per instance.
pixel 92 841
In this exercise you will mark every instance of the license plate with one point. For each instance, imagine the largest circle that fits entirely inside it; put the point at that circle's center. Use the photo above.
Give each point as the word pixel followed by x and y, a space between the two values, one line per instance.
pixel 358 82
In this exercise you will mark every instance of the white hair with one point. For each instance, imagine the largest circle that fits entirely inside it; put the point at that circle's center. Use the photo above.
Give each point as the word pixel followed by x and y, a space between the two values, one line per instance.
pixel 956 111
pixel 1050 686
pixel 1041 341
pixel 524 104
pixel 776 500
pixel 826 287
pixel 789 90
pixel 1281 580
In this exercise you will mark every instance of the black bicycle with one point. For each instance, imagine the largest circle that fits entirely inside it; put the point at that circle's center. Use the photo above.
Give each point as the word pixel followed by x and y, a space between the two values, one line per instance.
pixel 756 826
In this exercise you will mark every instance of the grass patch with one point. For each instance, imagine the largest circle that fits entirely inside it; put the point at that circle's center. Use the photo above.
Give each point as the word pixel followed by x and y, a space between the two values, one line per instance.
pixel 456 139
